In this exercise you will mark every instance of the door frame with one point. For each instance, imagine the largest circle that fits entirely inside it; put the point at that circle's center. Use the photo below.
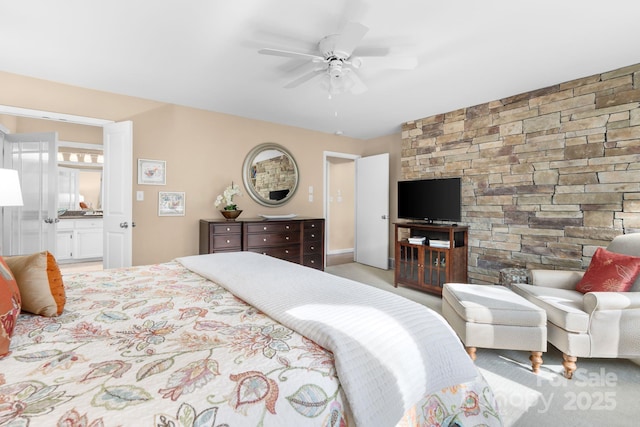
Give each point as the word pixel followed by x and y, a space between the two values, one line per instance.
pixel 56 117
pixel 326 155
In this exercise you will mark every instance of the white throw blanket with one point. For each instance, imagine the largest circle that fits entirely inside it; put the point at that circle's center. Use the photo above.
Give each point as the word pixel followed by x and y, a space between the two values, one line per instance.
pixel 389 352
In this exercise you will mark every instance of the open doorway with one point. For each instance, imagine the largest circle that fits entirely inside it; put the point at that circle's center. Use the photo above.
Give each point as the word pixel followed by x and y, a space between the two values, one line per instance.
pixel 356 208
pixel 339 207
pixel 117 142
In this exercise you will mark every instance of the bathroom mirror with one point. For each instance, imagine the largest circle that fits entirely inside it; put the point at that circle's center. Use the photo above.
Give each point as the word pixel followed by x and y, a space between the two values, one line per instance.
pixel 270 174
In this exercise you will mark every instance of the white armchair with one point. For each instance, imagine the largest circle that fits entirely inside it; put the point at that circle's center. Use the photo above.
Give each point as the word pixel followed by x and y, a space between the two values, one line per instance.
pixel 595 324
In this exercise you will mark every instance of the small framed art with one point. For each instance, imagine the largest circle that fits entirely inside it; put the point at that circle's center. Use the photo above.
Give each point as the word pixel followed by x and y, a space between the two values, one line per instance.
pixel 171 203
pixel 152 172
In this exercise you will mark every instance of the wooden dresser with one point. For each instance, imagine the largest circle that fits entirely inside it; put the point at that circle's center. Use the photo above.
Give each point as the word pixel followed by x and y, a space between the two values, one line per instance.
pixel 299 240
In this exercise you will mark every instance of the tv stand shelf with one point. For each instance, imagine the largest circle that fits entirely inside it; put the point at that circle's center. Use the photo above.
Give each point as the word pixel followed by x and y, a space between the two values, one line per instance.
pixel 428 268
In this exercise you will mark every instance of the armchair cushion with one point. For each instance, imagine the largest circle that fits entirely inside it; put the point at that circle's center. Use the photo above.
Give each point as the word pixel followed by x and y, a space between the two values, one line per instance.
pixel 564 307
pixel 609 272
pixel 561 279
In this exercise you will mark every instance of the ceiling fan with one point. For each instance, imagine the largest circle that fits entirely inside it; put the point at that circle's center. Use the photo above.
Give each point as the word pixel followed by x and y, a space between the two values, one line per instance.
pixel 336 63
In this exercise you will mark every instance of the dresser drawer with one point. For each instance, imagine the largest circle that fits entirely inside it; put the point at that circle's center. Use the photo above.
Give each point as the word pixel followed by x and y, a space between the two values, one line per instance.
pixel 272 239
pixel 272 227
pixel 291 252
pixel 312 235
pixel 227 241
pixel 314 261
pixel 226 228
pixel 312 247
pixel 313 225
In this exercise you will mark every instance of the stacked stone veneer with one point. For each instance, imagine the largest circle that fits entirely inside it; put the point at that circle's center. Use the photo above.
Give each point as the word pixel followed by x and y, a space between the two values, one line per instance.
pixel 547 176
pixel 276 173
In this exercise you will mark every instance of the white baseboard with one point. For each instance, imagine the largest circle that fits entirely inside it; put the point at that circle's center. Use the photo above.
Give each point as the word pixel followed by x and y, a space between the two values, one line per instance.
pixel 340 251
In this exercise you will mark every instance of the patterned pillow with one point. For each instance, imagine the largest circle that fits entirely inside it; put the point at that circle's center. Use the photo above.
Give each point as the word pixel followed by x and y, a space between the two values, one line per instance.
pixel 40 283
pixel 9 306
pixel 609 272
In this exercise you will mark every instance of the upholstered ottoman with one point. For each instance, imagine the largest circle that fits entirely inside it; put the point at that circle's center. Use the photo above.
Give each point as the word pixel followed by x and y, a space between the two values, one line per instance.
pixel 490 316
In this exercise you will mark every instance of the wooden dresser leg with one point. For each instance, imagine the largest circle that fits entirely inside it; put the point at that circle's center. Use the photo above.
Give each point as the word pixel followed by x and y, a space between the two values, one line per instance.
pixel 536 361
pixel 569 363
pixel 471 351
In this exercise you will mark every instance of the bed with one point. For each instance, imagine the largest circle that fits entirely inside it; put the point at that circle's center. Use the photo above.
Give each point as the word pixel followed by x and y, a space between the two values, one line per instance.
pixel 237 339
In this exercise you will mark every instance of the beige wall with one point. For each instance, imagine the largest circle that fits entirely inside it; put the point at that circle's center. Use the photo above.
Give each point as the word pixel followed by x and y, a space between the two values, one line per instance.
pixel 341 194
pixel 204 152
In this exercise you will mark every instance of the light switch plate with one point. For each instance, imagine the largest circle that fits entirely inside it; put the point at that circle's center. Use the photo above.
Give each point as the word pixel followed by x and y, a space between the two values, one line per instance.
pixel 139 196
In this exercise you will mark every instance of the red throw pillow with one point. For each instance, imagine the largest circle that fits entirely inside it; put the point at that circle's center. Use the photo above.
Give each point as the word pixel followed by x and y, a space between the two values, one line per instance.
pixel 9 306
pixel 609 272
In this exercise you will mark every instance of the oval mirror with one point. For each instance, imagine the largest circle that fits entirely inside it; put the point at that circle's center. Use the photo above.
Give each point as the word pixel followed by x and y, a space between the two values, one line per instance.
pixel 270 174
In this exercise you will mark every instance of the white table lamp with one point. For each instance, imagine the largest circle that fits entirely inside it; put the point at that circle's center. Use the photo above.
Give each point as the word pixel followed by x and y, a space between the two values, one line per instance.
pixel 10 194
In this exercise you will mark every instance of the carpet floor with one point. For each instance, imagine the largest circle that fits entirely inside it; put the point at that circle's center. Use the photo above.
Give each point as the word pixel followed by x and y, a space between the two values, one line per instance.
pixel 603 392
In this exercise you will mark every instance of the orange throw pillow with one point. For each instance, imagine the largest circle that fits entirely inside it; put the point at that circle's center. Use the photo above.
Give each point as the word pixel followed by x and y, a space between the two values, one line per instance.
pixel 40 283
pixel 9 306
pixel 609 272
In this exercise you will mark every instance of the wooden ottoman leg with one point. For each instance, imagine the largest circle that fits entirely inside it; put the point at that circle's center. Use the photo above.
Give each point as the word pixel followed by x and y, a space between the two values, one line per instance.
pixel 536 361
pixel 471 351
pixel 569 363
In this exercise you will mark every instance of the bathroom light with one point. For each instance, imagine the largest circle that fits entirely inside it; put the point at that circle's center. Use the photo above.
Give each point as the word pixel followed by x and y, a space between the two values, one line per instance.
pixel 60 157
pixel 73 157
pixel 100 158
pixel 87 158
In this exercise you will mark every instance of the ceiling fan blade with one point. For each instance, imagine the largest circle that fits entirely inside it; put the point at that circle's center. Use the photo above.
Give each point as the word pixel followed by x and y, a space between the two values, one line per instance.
pixel 354 84
pixel 290 54
pixel 349 38
pixel 394 62
pixel 305 78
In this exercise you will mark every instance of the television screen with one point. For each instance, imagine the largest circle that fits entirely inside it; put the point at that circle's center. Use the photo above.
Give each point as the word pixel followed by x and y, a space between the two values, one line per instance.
pixel 430 199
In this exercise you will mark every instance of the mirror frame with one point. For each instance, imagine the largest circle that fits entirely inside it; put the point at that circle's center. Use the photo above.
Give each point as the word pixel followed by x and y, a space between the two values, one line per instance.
pixel 246 174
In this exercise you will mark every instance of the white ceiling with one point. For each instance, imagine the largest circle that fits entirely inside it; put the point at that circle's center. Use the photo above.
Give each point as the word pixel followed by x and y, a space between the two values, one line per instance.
pixel 203 53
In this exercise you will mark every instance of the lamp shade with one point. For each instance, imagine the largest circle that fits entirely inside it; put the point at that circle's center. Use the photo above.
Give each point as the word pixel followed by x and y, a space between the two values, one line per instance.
pixel 10 194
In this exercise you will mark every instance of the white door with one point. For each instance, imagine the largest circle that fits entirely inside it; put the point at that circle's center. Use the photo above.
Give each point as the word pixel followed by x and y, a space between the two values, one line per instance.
pixel 372 211
pixel 32 227
pixel 117 190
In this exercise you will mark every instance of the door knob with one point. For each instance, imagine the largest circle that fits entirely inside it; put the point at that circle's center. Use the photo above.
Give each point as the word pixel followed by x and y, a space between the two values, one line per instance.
pixel 124 225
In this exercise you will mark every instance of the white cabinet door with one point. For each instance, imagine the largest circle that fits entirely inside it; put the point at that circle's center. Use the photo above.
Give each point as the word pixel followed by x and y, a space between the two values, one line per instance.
pixel 88 243
pixel 64 246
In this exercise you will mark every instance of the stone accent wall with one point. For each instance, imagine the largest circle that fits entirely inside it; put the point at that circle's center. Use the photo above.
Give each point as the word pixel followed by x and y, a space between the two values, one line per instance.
pixel 276 173
pixel 547 176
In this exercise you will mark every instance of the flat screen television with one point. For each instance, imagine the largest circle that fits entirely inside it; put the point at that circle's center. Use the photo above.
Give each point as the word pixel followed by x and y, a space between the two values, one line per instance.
pixel 430 199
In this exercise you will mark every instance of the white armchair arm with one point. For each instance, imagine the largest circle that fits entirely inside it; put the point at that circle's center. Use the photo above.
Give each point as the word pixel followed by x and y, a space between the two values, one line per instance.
pixel 563 279
pixel 611 301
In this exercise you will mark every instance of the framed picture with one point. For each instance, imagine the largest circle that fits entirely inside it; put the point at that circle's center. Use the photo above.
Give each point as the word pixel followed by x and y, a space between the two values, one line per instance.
pixel 152 172
pixel 171 203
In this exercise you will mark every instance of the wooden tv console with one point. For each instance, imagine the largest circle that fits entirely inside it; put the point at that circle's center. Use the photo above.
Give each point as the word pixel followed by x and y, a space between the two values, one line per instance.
pixel 428 267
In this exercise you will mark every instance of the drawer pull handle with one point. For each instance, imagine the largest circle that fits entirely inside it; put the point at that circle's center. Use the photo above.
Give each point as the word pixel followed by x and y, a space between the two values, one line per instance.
pixel 228 241
pixel 313 262
pixel 287 238
pixel 264 228
pixel 228 229
pixel 313 226
pixel 313 247
pixel 313 235
pixel 287 227
pixel 286 251
pixel 264 240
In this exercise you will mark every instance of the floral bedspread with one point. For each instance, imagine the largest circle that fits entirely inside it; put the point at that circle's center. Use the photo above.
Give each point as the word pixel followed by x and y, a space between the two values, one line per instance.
pixel 161 346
